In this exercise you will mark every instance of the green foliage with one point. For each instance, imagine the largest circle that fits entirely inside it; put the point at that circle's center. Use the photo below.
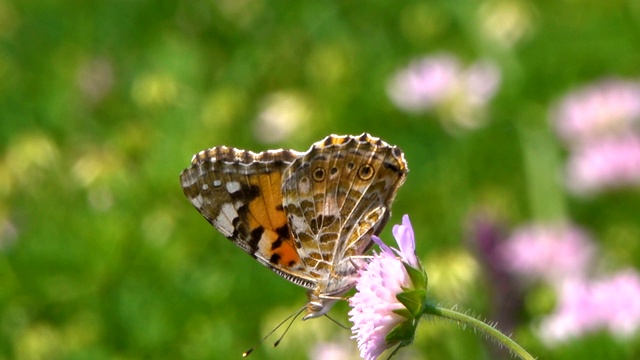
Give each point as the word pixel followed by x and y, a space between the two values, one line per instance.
pixel 103 104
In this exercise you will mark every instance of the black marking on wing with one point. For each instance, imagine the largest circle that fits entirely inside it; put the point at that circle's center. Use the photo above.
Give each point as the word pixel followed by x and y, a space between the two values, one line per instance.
pixel 274 259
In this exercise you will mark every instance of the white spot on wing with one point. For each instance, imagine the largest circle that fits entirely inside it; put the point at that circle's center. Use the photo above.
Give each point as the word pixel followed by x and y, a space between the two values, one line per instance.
pixel 217 183
pixel 233 186
pixel 224 220
pixel 188 179
pixel 197 201
pixel 303 186
pixel 297 223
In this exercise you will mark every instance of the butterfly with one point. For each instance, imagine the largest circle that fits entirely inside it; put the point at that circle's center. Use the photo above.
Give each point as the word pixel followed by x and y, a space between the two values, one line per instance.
pixel 304 215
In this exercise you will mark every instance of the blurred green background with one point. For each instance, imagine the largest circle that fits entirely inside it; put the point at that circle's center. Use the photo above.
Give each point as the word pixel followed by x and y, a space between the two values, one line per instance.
pixel 103 103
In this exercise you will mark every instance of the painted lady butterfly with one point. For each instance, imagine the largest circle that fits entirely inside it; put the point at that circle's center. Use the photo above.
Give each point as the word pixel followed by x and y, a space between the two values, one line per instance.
pixel 303 215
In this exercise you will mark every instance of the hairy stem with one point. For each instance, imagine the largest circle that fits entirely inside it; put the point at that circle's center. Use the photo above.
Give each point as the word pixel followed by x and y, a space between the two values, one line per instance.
pixel 465 319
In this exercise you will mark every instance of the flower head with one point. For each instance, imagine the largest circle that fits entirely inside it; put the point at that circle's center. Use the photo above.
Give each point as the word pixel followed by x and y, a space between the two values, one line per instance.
pixel 281 114
pixel 441 83
pixel 550 253
pixel 586 306
pixel 391 291
pixel 609 107
pixel 605 164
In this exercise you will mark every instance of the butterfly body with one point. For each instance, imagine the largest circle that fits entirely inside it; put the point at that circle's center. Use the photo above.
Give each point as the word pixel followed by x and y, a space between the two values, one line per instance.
pixel 304 215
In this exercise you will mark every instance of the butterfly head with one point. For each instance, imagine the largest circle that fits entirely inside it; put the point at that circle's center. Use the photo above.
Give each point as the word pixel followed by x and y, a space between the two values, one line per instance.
pixel 318 306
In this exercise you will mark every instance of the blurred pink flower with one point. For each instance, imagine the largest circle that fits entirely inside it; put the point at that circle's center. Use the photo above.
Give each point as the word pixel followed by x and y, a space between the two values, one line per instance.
pixel 584 306
pixel 607 107
pixel 375 305
pixel 605 163
pixel 424 82
pixel 549 253
pixel 440 82
pixel 333 351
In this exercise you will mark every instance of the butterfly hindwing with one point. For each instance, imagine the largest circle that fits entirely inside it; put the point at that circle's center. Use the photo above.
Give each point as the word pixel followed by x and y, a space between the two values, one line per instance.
pixel 336 196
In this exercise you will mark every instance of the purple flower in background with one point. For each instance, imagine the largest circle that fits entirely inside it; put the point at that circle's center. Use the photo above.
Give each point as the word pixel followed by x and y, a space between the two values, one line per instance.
pixel 549 253
pixel 603 164
pixel 486 235
pixel 584 306
pixel 376 308
pixel 440 82
pixel 605 108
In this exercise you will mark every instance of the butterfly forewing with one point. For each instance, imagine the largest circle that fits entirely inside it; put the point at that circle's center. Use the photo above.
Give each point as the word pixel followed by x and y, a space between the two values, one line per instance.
pixel 239 193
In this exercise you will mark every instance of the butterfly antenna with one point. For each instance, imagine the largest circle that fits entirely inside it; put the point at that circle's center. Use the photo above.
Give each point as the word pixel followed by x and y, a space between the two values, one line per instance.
pixel 294 316
pixel 336 322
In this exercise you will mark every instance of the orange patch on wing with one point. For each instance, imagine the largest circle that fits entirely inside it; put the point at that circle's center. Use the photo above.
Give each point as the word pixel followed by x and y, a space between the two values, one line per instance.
pixel 276 243
pixel 278 250
pixel 288 256
pixel 265 207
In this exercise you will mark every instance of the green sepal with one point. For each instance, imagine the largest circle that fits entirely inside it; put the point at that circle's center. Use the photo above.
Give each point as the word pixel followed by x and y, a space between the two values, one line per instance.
pixel 414 301
pixel 418 276
pixel 404 313
pixel 402 334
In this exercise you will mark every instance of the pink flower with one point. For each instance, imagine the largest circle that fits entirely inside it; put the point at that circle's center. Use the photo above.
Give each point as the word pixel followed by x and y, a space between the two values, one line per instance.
pixel 621 298
pixel 424 83
pixel 440 82
pixel 605 108
pixel 406 242
pixel 332 351
pixel 550 253
pixel 603 164
pixel 377 309
pixel 584 306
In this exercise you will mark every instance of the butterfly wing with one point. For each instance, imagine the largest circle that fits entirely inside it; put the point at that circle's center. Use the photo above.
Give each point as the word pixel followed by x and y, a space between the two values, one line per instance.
pixel 239 193
pixel 336 196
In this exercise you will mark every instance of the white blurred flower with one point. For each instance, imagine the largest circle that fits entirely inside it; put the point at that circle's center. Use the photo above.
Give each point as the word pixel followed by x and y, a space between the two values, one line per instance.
pixel 281 115
pixel 506 22
pixel 95 79
pixel 8 233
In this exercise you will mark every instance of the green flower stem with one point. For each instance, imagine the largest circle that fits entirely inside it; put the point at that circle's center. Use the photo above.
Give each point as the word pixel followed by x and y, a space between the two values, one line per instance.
pixel 461 318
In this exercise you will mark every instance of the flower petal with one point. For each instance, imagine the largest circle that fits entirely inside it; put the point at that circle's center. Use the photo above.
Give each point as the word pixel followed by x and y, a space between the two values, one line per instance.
pixel 406 241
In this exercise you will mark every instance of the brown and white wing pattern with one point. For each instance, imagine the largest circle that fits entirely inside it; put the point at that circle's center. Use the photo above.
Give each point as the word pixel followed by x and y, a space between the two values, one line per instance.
pixel 336 196
pixel 239 193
